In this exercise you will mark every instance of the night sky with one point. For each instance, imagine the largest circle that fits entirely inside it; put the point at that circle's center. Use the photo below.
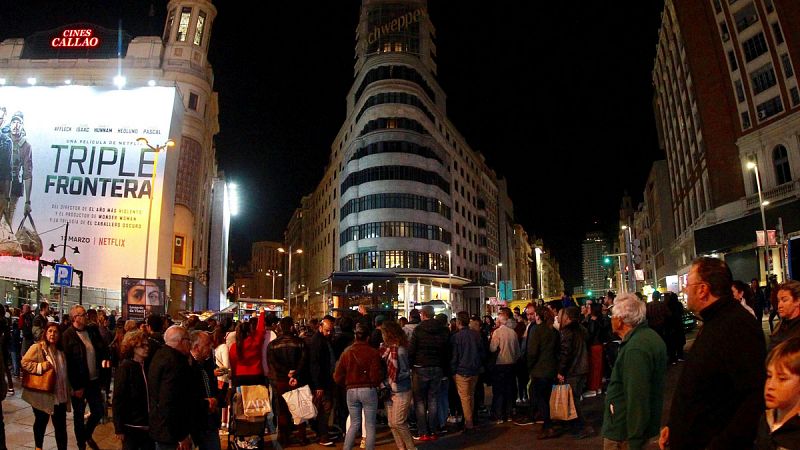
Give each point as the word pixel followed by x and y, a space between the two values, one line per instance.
pixel 557 96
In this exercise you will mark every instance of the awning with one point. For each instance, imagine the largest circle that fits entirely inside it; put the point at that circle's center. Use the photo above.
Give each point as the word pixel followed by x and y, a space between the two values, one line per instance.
pixel 742 231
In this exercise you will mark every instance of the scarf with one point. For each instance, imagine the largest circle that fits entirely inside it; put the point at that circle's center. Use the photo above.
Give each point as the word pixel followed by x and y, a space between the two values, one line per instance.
pixel 389 355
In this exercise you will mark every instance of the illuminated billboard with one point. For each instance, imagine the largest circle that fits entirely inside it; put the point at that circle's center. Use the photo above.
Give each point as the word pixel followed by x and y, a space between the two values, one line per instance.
pixel 70 154
pixel 141 298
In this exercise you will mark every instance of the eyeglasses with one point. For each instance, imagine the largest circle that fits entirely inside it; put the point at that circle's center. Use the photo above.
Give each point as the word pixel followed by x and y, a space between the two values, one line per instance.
pixel 693 284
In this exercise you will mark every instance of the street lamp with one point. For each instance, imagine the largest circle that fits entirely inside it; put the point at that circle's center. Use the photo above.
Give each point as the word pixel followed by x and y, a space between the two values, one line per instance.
pixel 539 253
pixel 631 264
pixel 761 204
pixel 497 280
pixel 273 274
pixel 289 281
pixel 156 149
pixel 450 278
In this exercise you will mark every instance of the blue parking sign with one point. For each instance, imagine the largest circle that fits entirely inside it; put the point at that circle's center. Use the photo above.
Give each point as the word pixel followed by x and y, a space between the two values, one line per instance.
pixel 63 275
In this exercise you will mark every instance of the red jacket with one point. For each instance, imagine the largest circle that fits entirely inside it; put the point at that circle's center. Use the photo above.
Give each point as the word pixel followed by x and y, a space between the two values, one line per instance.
pixel 249 362
pixel 359 366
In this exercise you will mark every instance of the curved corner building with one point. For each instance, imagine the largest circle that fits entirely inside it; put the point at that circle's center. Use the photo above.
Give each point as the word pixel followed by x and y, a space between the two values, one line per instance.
pixel 403 188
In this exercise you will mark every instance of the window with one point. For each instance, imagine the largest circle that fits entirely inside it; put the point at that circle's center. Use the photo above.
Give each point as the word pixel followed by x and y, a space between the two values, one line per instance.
pixel 795 96
pixel 717 7
pixel 745 17
pixel 183 24
pixel 745 120
pixel 780 159
pixel 769 5
pixel 763 78
pixel 776 30
pixel 193 101
pixel 198 32
pixel 178 250
pixel 769 108
pixel 732 61
pixel 753 47
pixel 723 28
pixel 168 27
pixel 739 90
pixel 787 65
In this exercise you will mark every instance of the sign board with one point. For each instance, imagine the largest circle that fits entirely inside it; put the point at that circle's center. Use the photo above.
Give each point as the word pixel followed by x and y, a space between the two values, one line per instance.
pixel 79 158
pixel 63 275
pixel 760 238
pixel 143 297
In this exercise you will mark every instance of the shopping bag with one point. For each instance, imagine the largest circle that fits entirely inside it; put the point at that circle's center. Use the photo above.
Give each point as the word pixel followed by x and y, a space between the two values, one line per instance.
pixel 301 404
pixel 9 246
pixel 562 405
pixel 255 400
pixel 29 240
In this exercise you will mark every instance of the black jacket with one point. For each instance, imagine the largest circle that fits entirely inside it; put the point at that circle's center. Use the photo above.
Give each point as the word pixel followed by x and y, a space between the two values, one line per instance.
pixel 75 353
pixel 130 396
pixel 787 328
pixel 787 436
pixel 720 397
pixel 429 345
pixel 171 396
pixel 543 351
pixel 287 353
pixel 202 419
pixel 321 362
pixel 573 359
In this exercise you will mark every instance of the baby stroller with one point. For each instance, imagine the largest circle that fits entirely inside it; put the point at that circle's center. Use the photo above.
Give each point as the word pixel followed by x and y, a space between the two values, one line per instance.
pixel 245 432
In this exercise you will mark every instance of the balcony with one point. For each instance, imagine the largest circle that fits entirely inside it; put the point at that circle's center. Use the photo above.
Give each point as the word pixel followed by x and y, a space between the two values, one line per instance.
pixel 778 193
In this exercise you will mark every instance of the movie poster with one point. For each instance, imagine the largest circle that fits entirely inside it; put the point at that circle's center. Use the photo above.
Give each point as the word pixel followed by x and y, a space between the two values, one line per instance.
pixel 69 154
pixel 142 297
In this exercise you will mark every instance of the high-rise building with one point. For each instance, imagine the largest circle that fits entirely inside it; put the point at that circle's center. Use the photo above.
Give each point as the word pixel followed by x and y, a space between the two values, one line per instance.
pixel 405 202
pixel 93 101
pixel 726 94
pixel 594 272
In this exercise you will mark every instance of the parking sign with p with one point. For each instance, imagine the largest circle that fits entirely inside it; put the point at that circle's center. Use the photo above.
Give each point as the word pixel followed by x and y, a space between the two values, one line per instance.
pixel 63 275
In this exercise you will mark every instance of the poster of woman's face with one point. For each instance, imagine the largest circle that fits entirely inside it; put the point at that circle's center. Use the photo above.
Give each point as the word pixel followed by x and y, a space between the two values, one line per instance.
pixel 142 297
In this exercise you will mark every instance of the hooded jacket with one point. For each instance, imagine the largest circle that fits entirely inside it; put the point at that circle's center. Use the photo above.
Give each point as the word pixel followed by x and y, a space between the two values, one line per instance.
pixel 429 345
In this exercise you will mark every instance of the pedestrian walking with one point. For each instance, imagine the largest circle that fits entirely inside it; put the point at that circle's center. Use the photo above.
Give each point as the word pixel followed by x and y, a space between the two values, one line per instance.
pixel 43 356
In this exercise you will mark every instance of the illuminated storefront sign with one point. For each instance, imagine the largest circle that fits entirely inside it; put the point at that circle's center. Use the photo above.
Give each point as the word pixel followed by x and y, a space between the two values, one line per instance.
pixel 76 38
pixel 400 23
pixel 75 158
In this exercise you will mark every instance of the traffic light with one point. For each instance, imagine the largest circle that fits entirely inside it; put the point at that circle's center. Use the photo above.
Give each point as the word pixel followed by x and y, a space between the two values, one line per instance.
pixel 606 260
pixel 588 293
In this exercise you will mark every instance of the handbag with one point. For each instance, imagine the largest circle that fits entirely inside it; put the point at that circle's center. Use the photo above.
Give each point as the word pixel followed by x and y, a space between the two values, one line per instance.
pixel 29 240
pixel 44 382
pixel 562 404
pixel 301 404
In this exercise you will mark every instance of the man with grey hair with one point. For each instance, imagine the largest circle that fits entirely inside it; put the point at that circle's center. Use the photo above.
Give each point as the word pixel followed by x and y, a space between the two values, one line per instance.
pixel 635 392
pixel 206 422
pixel 428 353
pixel 170 390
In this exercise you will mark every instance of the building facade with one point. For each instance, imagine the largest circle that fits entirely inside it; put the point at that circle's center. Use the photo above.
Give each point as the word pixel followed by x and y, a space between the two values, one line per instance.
pixel 104 65
pixel 727 95
pixel 404 197
pixel 594 247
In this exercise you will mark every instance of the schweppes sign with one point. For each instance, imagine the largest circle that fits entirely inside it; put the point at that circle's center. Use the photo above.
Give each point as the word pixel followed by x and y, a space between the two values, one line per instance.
pixel 397 24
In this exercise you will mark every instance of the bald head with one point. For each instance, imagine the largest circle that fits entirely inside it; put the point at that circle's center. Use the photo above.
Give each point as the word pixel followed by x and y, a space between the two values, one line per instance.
pixel 177 337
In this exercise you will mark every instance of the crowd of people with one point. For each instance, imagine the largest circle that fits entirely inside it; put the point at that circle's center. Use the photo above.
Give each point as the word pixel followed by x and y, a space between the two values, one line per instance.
pixel 170 386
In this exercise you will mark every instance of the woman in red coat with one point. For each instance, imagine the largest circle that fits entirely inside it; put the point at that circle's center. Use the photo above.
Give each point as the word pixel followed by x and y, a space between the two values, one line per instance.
pixel 245 353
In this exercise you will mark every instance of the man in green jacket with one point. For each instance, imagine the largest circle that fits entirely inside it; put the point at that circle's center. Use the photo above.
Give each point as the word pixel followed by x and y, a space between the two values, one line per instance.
pixel 635 391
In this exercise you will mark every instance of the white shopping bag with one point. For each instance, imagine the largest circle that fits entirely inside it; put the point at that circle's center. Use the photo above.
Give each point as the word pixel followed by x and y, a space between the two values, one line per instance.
pixel 301 404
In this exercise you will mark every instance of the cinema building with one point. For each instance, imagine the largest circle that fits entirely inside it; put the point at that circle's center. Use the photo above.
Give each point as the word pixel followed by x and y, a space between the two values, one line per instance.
pixel 78 100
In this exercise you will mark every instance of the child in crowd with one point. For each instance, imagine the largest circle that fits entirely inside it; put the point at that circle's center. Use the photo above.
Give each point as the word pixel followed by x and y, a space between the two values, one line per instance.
pixel 780 425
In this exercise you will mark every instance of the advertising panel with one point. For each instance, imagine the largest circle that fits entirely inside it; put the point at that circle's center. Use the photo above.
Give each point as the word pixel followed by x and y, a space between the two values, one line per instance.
pixel 69 154
pixel 142 297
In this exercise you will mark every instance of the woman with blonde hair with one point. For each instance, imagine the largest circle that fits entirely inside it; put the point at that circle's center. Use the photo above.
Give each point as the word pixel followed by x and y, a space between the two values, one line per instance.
pixel 41 357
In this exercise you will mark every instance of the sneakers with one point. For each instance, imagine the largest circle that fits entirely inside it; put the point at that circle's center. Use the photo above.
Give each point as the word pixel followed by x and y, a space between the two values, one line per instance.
pixel 326 443
pixel 432 437
pixel 418 437
pixel 590 394
pixel 452 419
pixel 523 421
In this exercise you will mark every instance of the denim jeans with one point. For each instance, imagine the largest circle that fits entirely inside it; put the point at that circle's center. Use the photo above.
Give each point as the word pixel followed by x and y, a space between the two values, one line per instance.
pixel 542 388
pixel 359 399
pixel 426 382
pixel 398 408
pixel 443 406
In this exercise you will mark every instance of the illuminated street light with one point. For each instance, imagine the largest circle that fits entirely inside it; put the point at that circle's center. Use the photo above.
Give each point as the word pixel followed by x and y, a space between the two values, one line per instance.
pixel 274 274
pixel 449 278
pixel 156 149
pixel 497 280
pixel 761 204
pixel 631 264
pixel 289 280
pixel 233 191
